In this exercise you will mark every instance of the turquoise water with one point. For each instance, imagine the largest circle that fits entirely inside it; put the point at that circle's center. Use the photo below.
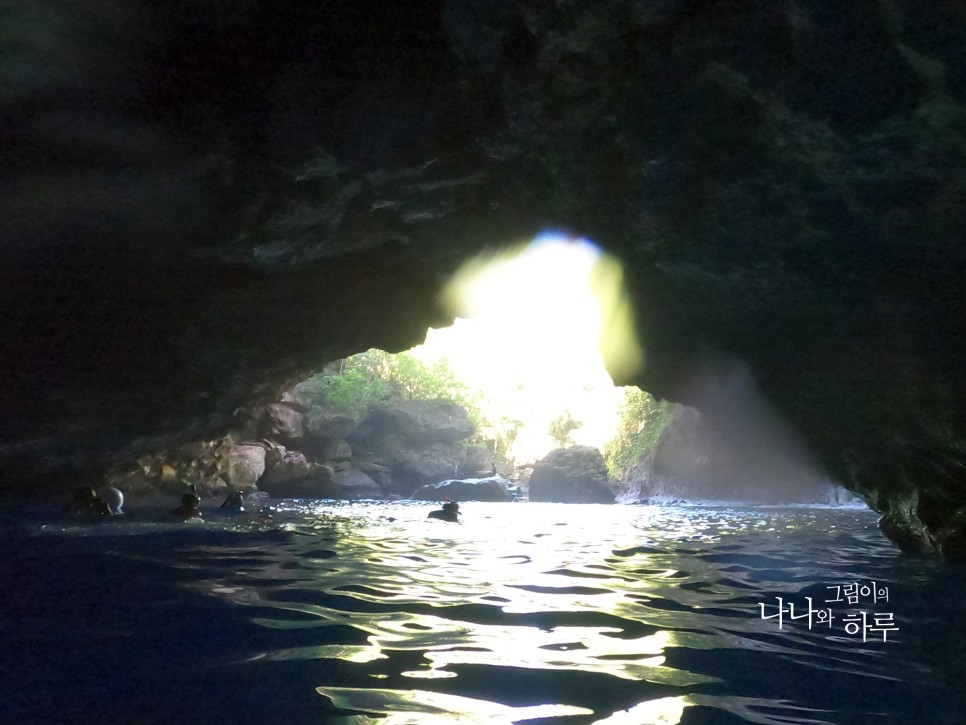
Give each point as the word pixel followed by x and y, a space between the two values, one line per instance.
pixel 355 613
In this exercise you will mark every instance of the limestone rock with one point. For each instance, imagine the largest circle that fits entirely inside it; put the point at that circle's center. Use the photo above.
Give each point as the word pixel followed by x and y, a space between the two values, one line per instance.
pixel 571 475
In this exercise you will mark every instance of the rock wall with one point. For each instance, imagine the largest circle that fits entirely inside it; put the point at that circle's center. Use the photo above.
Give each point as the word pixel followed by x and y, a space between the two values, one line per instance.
pixel 698 457
pixel 398 447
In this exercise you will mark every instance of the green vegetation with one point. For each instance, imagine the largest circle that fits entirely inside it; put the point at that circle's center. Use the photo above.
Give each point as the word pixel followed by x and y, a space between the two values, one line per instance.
pixel 360 382
pixel 498 435
pixel 562 428
pixel 642 419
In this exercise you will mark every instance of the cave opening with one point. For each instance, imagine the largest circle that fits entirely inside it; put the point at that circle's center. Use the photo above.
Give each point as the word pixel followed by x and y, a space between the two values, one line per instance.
pixel 540 332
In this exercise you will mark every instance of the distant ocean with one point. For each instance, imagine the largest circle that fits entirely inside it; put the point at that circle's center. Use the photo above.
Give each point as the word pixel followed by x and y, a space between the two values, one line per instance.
pixel 352 613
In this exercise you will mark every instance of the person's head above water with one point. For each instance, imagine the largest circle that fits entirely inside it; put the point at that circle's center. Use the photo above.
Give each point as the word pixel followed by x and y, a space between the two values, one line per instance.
pixel 190 506
pixel 113 499
pixel 86 503
pixel 234 500
pixel 83 495
pixel 449 512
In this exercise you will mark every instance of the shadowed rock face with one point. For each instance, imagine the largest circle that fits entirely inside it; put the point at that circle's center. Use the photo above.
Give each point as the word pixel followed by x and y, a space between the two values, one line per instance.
pixel 571 475
pixel 201 203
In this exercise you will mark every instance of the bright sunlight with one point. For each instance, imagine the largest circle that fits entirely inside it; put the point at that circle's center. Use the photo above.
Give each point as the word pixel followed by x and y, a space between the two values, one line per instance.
pixel 533 328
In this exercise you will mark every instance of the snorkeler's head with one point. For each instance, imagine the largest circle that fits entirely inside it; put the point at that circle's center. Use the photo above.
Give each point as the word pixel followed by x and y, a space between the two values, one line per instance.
pixel 451 506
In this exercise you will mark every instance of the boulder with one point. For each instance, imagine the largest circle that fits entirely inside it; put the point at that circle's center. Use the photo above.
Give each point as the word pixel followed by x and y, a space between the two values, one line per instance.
pixel 412 468
pixel 283 423
pixel 571 475
pixel 246 464
pixel 336 450
pixel 295 401
pixel 328 423
pixel 492 488
pixel 353 483
pixel 377 472
pixel 293 467
pixel 299 479
pixel 421 422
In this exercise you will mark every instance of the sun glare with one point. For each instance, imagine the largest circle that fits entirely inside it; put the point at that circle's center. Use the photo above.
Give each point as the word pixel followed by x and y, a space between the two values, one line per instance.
pixel 531 327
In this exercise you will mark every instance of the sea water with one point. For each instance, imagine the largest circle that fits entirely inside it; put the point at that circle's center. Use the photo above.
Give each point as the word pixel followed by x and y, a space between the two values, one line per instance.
pixel 352 613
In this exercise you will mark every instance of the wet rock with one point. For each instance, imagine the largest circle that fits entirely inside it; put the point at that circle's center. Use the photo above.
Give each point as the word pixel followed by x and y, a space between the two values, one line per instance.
pixel 571 475
pixel 466 489
pixel 352 483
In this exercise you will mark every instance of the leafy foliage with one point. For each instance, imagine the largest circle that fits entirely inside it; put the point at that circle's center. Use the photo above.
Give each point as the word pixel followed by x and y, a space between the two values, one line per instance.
pixel 642 420
pixel 562 427
pixel 503 433
pixel 362 381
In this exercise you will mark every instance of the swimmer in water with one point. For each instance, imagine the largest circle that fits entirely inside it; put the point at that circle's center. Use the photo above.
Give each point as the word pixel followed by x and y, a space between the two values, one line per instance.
pixel 113 499
pixel 190 507
pixel 86 504
pixel 449 512
pixel 234 502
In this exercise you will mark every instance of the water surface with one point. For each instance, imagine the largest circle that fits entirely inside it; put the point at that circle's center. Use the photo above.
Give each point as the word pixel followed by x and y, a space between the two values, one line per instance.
pixel 351 613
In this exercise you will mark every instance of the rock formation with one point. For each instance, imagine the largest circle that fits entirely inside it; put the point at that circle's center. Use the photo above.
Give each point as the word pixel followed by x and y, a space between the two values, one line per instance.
pixel 492 489
pixel 419 441
pixel 571 475
pixel 699 458
pixel 736 447
pixel 190 223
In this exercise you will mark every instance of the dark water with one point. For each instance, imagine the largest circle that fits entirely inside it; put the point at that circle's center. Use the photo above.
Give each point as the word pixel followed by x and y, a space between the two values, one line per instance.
pixel 538 613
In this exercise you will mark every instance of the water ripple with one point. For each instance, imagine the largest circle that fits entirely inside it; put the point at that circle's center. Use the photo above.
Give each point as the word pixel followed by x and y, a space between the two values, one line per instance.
pixel 582 615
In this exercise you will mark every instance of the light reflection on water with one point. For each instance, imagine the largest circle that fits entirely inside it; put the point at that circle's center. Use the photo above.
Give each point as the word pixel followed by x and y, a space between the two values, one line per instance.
pixel 551 613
